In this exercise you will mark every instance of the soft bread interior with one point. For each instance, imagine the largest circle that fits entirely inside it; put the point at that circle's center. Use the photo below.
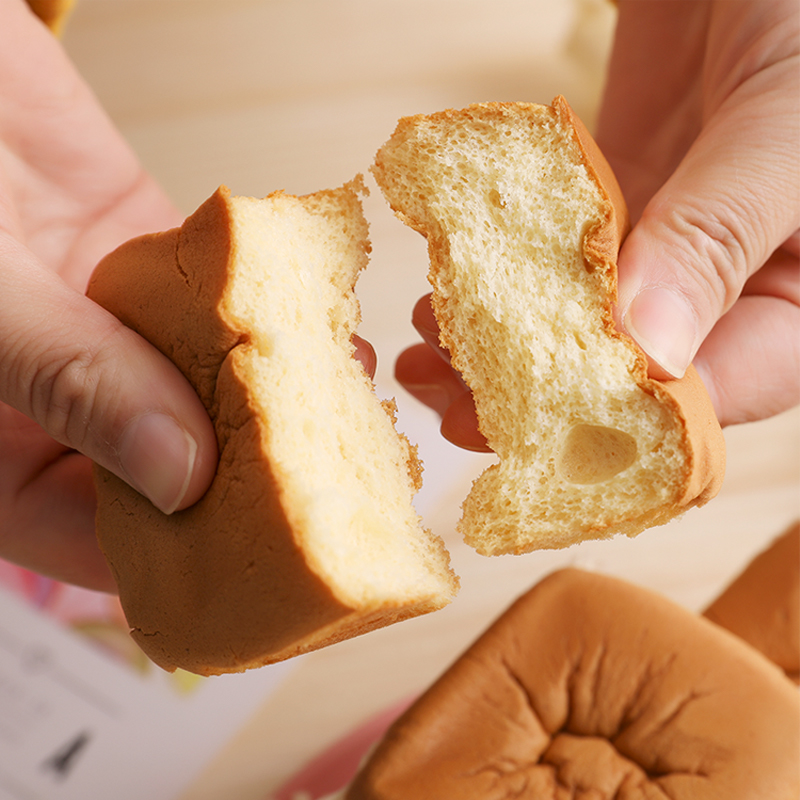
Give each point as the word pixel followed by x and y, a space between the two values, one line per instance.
pixel 508 204
pixel 345 475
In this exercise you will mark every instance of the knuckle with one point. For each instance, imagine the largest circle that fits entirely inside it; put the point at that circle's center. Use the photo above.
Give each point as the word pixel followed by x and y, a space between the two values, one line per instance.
pixel 717 247
pixel 64 391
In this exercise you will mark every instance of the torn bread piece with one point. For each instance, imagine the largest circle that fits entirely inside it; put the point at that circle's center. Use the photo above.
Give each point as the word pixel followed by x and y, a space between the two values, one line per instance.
pixel 524 221
pixel 307 535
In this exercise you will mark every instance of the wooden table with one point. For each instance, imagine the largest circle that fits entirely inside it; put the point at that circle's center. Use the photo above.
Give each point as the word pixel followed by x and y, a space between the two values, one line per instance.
pixel 298 95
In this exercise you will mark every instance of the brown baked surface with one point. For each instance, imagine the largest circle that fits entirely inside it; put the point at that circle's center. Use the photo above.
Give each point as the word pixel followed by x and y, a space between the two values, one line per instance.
pixel 762 605
pixel 243 578
pixel 591 687
pixel 524 220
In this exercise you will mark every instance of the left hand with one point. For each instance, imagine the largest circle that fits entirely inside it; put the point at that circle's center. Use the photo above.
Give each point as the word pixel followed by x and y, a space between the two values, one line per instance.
pixel 71 190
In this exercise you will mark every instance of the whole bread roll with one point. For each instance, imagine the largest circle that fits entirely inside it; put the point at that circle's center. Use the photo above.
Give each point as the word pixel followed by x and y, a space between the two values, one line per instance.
pixel 307 535
pixel 762 605
pixel 524 220
pixel 592 687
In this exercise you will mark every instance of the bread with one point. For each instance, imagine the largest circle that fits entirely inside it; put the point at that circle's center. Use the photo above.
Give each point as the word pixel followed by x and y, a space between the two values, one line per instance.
pixel 592 687
pixel 524 220
pixel 762 605
pixel 307 535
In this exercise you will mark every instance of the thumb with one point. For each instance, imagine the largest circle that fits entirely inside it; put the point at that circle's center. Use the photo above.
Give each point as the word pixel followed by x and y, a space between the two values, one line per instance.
pixel 99 388
pixel 730 204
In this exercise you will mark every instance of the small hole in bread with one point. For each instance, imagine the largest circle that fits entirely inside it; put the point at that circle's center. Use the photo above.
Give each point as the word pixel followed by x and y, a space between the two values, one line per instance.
pixel 594 454
pixel 495 199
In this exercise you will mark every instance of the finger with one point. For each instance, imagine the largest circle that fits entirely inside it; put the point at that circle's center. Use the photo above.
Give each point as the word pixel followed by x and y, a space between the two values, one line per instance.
pixel 47 507
pixel 460 425
pixel 645 139
pixel 365 353
pixel 425 371
pixel 732 202
pixel 780 276
pixel 99 388
pixel 425 323
pixel 750 362
pixel 426 376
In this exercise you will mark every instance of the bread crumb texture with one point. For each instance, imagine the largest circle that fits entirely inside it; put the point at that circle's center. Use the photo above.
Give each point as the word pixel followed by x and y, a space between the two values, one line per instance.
pixel 524 220
pixel 308 534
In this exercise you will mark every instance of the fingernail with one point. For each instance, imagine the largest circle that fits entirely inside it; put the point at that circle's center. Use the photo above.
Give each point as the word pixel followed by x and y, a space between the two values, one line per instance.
pixel 664 326
pixel 158 456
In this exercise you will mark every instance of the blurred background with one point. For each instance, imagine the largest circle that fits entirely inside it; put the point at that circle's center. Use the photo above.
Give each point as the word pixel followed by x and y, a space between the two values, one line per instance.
pixel 298 95
pixel 270 94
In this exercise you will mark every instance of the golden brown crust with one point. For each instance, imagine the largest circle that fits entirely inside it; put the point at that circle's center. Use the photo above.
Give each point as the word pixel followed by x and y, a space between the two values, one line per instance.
pixel 704 440
pixel 588 685
pixel 601 244
pixel 762 605
pixel 226 584
pixel 687 398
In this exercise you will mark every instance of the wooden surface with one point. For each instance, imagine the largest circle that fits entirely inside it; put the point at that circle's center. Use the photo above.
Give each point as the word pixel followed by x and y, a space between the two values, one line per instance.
pixel 298 95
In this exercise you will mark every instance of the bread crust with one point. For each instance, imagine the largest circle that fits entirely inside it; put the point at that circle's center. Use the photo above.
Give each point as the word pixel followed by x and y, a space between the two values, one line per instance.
pixel 762 605
pixel 588 684
pixel 686 397
pixel 229 583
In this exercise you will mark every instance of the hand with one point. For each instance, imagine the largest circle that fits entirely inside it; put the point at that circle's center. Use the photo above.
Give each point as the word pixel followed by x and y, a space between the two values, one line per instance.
pixel 75 384
pixel 425 372
pixel 701 123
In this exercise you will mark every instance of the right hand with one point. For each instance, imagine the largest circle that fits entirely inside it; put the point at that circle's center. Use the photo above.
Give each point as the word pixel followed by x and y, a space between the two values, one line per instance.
pixel 705 147
pixel 424 371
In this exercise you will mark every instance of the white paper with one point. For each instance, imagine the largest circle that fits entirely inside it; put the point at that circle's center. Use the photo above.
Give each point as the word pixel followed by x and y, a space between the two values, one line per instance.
pixel 80 721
